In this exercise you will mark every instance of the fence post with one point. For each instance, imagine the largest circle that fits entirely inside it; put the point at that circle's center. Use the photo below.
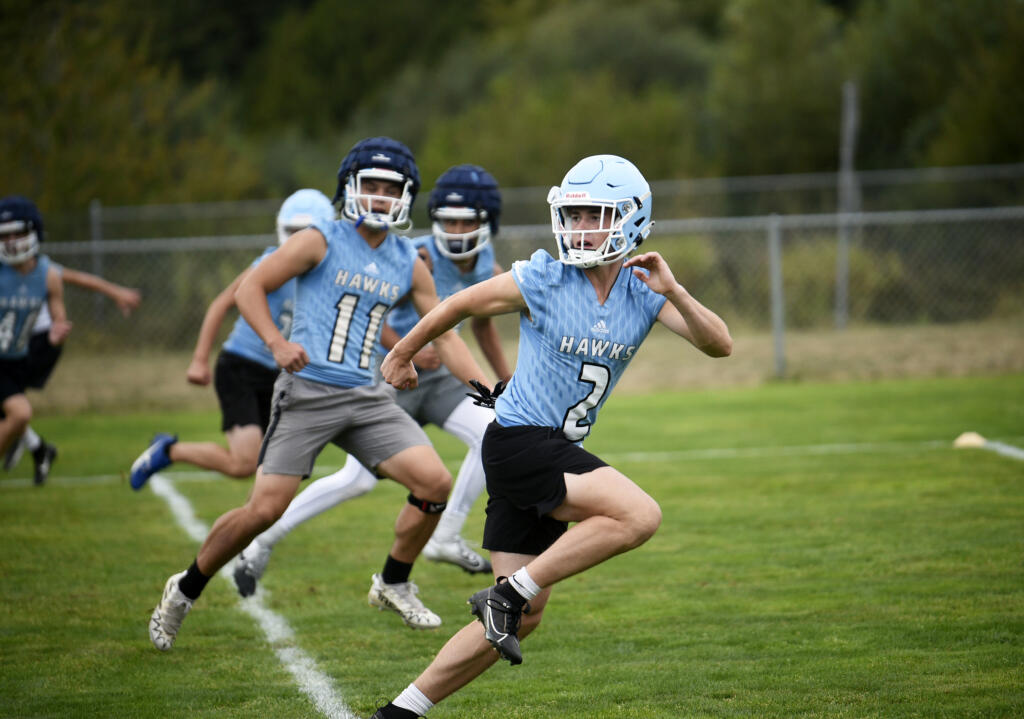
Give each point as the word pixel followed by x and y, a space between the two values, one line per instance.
pixel 778 298
pixel 849 199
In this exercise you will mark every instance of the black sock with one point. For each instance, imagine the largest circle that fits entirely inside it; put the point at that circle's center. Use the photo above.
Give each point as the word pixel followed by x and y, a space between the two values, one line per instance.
pixel 395 572
pixel 390 711
pixel 507 591
pixel 193 583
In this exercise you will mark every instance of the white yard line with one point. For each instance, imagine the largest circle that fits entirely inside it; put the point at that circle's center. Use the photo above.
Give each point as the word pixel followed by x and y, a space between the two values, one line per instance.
pixel 802 450
pixel 312 682
pixel 1007 450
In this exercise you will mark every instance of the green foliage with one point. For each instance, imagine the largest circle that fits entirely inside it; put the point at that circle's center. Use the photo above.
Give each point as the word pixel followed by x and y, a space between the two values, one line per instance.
pixel 93 119
pixel 774 94
pixel 923 65
pixel 209 100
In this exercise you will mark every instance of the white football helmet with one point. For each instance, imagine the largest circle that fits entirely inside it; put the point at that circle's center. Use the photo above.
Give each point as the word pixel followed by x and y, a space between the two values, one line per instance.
pixel 300 210
pixel 611 189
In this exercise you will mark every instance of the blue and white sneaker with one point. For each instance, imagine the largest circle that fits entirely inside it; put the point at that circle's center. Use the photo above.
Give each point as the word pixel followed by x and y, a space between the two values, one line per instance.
pixel 152 460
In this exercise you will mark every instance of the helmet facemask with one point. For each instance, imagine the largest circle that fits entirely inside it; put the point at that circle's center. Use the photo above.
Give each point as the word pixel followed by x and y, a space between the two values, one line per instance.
pixel 460 245
pixel 358 205
pixel 19 242
pixel 590 246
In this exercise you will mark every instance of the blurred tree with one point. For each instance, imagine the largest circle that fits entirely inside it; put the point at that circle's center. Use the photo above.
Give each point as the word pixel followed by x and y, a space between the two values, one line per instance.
pixel 980 121
pixel 204 38
pixel 320 65
pixel 529 100
pixel 912 57
pixel 89 118
pixel 775 88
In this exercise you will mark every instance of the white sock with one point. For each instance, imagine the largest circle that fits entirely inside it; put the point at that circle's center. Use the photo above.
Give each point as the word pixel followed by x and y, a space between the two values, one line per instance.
pixel 523 583
pixel 449 527
pixel 414 700
pixel 31 439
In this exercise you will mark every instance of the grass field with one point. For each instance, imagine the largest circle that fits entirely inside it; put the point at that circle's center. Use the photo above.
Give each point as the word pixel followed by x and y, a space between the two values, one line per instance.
pixel 824 553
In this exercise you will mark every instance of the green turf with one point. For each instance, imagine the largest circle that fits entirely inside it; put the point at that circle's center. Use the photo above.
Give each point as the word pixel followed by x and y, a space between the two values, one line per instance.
pixel 880 580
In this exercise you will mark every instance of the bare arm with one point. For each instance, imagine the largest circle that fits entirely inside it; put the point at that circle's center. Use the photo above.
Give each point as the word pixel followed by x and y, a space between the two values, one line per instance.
pixel 199 369
pixel 60 328
pixel 682 314
pixel 126 298
pixel 498 295
pixel 300 253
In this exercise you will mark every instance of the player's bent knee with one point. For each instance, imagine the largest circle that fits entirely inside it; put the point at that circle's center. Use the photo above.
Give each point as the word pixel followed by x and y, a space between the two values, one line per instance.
pixel 432 486
pixel 645 522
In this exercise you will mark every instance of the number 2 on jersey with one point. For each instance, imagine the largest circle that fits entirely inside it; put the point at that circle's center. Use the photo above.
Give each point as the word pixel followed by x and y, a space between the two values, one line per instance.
pixel 576 427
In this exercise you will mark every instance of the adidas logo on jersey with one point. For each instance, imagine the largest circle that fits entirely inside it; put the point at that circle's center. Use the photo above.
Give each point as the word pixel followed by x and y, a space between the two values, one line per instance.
pixel 372 269
pixel 600 327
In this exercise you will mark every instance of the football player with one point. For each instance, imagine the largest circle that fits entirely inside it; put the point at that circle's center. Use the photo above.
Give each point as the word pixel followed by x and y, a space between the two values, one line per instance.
pixel 465 206
pixel 28 283
pixel 245 372
pixel 43 357
pixel 348 274
pixel 582 318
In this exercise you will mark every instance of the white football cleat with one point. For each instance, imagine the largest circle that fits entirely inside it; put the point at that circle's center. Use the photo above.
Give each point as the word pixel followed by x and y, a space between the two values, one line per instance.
pixel 454 550
pixel 169 614
pixel 401 599
pixel 250 565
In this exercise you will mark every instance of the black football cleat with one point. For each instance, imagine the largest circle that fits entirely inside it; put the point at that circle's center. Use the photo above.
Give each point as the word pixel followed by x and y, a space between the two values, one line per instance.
pixel 501 621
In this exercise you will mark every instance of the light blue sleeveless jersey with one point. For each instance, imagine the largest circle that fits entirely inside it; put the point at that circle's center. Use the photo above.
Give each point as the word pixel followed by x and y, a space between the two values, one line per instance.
pixel 340 303
pixel 244 341
pixel 447 279
pixel 22 297
pixel 572 350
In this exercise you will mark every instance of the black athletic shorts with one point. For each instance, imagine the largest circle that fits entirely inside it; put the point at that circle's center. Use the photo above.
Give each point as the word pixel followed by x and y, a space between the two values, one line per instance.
pixel 13 377
pixel 42 358
pixel 244 390
pixel 525 469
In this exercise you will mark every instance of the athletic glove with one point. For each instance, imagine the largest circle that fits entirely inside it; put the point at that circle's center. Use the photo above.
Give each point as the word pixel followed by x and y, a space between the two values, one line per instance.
pixel 486 397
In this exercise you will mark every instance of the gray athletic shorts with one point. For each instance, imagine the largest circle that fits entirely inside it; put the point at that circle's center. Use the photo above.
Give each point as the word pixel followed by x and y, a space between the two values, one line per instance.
pixel 435 397
pixel 305 416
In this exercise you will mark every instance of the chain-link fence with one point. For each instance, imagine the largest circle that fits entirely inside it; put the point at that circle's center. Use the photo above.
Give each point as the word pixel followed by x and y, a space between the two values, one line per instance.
pixel 782 277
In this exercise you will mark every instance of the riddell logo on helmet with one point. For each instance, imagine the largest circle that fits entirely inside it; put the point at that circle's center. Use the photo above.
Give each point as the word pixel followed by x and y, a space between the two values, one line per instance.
pixel 453 197
pixel 380 157
pixel 576 196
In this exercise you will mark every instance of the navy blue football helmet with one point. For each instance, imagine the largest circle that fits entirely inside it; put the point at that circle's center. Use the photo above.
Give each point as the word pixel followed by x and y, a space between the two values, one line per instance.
pixel 378 158
pixel 21 229
pixel 464 192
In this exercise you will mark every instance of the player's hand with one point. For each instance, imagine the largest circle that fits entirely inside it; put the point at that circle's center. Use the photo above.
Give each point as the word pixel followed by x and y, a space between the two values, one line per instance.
pixel 290 356
pixel 398 373
pixel 198 372
pixel 127 299
pixel 59 331
pixel 658 276
pixel 427 358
